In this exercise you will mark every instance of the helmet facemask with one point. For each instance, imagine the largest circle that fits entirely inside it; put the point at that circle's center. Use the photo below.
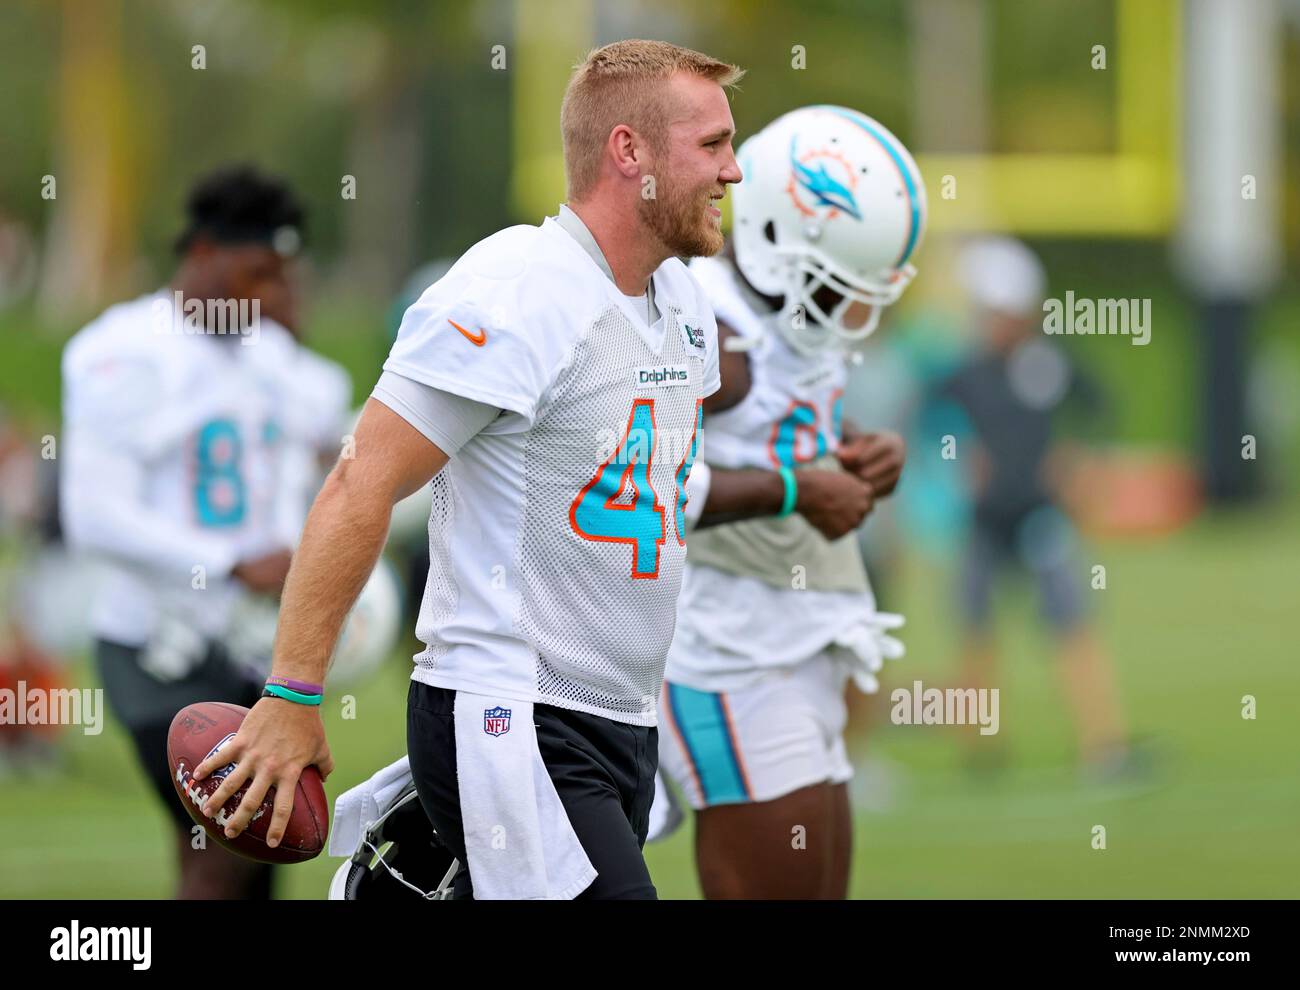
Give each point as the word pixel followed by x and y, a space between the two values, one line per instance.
pixel 807 325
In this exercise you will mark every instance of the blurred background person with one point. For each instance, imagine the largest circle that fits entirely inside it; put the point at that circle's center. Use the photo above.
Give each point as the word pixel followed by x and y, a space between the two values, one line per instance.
pixel 1012 389
pixel 173 471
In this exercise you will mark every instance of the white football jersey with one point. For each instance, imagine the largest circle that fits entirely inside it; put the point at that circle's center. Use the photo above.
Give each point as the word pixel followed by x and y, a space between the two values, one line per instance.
pixel 766 592
pixel 314 397
pixel 557 535
pixel 170 468
pixel 791 414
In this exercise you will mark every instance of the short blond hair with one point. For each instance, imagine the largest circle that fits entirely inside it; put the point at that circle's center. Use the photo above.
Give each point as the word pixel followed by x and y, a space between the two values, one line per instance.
pixel 609 87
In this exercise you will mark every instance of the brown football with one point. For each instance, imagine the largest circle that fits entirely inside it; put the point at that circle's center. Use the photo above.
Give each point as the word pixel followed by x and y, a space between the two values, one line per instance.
pixel 200 729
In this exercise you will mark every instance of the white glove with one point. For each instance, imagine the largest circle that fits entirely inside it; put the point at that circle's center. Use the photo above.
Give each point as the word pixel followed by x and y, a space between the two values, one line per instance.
pixel 868 645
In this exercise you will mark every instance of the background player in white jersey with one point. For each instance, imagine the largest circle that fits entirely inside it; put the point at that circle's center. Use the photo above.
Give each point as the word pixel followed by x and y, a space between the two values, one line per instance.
pixel 175 444
pixel 550 385
pixel 776 611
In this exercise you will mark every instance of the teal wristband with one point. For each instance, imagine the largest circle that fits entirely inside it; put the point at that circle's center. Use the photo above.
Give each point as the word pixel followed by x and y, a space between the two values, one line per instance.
pixel 791 491
pixel 288 694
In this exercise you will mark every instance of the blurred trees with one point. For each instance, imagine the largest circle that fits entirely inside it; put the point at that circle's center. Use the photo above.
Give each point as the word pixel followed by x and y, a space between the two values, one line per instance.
pixel 402 95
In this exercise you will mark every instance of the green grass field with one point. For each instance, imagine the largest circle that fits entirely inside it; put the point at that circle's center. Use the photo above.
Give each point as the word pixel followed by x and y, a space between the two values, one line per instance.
pixel 1194 622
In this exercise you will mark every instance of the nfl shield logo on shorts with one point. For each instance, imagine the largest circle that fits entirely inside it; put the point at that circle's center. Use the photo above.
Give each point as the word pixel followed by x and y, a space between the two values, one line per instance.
pixel 496 721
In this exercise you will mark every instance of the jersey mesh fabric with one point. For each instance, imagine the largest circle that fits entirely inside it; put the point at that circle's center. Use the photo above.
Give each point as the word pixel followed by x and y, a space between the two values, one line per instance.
pixel 601 634
pixel 441 594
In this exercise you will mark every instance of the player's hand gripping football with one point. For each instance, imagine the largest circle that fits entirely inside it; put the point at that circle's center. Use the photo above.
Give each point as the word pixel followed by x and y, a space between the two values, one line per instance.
pixel 834 502
pixel 876 458
pixel 276 740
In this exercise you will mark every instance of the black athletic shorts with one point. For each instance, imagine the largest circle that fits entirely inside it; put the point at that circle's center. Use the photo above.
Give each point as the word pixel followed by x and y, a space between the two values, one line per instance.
pixel 146 705
pixel 1037 538
pixel 603 772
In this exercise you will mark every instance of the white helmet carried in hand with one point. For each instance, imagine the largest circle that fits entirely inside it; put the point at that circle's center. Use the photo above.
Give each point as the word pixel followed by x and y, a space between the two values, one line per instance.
pixel 371 630
pixel 830 200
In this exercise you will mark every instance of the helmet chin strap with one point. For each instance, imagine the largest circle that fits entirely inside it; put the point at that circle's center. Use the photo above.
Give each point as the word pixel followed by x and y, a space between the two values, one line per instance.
pixel 830 330
pixel 855 334
pixel 813 335
pixel 850 295
pixel 821 330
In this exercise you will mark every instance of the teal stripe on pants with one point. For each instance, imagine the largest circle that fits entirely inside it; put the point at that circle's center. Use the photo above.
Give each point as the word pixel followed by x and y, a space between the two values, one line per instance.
pixel 703 726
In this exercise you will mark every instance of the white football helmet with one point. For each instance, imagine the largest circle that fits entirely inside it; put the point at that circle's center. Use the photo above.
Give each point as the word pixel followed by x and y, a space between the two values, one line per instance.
pixel 830 199
pixel 369 636
pixel 371 630
pixel 398 858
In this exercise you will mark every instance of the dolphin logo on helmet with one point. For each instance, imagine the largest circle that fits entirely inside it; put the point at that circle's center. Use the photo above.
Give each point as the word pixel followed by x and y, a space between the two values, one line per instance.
pixel 823 187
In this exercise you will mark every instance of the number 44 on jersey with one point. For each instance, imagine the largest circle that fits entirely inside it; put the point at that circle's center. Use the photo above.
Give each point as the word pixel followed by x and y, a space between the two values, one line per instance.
pixel 620 505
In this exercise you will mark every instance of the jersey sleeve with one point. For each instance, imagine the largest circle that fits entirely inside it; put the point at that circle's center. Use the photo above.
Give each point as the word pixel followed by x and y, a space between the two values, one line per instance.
pixel 109 405
pixel 717 284
pixel 464 336
pixel 448 421
pixel 712 371
pixel 706 277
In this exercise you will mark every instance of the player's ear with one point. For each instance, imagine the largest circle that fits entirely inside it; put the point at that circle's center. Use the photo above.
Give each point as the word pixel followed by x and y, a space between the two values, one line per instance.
pixel 626 150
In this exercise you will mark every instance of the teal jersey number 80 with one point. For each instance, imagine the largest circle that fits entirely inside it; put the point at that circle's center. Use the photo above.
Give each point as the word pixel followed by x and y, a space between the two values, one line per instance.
pixel 219 489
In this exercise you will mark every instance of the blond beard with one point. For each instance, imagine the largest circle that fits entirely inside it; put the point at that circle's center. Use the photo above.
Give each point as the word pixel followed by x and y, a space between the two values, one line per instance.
pixel 682 224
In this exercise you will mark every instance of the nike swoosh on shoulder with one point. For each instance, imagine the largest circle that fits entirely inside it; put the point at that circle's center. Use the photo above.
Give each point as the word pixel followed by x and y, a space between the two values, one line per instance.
pixel 477 339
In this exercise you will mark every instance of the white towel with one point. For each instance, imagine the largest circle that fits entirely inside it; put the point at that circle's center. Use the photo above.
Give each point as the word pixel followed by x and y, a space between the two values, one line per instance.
pixel 518 838
pixel 356 809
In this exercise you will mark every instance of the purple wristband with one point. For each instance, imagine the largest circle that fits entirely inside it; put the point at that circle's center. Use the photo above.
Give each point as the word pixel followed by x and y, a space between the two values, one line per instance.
pixel 302 687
